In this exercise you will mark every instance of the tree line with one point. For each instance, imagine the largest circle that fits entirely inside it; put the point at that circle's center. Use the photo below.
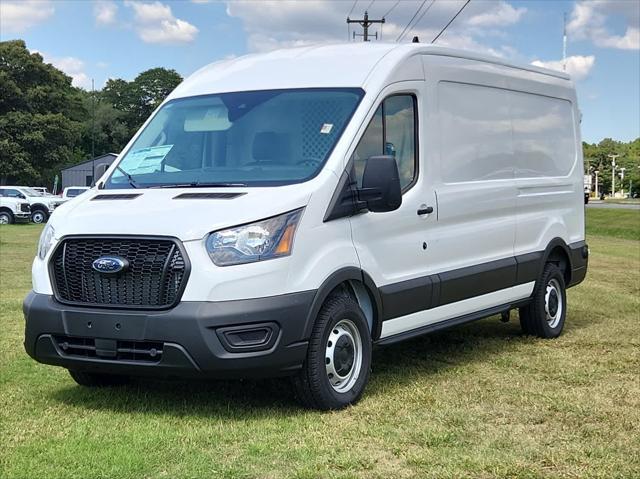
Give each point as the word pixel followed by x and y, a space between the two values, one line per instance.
pixel 46 124
pixel 596 158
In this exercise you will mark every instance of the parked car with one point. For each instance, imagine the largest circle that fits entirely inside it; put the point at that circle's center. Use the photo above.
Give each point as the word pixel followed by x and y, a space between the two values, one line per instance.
pixel 41 206
pixel 42 190
pixel 282 213
pixel 14 210
pixel 73 191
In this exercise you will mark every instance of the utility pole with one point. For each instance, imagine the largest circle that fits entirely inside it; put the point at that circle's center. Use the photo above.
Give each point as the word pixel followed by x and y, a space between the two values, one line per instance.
pixel 564 43
pixel 365 23
pixel 597 194
pixel 622 181
pixel 93 133
pixel 613 174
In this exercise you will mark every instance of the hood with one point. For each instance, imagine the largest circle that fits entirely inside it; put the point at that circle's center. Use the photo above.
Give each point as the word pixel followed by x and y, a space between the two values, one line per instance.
pixel 160 211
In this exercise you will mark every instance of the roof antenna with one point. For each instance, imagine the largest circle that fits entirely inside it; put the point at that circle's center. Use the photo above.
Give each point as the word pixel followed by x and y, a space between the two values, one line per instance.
pixel 415 39
pixel 564 43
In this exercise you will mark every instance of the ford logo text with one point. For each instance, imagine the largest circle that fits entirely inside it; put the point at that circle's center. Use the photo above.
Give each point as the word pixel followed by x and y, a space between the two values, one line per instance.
pixel 110 264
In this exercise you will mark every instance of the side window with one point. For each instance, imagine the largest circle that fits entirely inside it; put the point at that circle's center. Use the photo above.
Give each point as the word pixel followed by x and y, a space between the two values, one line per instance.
pixel 12 193
pixel 391 131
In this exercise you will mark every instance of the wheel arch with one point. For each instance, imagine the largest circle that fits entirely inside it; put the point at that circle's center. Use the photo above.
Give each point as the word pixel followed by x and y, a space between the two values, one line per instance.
pixel 557 251
pixel 360 286
pixel 5 209
pixel 40 206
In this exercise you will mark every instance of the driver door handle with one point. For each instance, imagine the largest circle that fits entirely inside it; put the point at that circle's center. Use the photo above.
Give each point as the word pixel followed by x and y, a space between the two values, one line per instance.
pixel 425 210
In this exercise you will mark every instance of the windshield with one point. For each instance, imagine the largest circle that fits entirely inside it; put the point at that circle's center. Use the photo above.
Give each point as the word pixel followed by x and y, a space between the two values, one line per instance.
pixel 260 138
pixel 31 192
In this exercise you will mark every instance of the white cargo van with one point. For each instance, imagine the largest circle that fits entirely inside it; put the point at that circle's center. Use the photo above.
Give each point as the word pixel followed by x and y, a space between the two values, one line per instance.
pixel 279 214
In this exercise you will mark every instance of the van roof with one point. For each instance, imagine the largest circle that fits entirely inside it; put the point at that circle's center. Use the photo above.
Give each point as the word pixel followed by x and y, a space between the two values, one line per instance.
pixel 321 66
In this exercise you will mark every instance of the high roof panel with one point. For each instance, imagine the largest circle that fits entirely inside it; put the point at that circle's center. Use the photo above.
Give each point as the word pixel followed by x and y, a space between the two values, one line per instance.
pixel 335 65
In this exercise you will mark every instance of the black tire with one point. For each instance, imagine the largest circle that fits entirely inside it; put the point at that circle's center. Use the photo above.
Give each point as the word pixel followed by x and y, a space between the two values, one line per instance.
pixel 39 216
pixel 312 383
pixel 6 218
pixel 539 318
pixel 94 380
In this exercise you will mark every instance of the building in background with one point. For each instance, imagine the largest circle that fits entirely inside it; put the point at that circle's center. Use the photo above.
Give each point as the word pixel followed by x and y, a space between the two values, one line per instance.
pixel 82 173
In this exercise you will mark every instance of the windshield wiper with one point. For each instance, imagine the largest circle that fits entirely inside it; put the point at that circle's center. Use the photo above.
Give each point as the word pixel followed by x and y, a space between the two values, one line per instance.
pixel 132 182
pixel 197 184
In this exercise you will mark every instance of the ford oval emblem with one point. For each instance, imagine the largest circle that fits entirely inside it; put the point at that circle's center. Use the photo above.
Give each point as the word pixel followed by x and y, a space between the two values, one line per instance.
pixel 110 264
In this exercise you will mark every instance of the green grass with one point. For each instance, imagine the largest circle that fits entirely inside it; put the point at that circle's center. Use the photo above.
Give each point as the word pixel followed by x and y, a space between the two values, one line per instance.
pixel 480 400
pixel 623 224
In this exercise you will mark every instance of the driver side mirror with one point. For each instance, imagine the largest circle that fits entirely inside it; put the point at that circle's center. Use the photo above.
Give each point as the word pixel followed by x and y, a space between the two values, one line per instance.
pixel 381 189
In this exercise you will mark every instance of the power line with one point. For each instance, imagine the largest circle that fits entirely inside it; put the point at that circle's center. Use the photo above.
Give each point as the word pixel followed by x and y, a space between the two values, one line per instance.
pixel 410 21
pixel 450 21
pixel 422 16
pixel 352 7
pixel 391 9
pixel 369 6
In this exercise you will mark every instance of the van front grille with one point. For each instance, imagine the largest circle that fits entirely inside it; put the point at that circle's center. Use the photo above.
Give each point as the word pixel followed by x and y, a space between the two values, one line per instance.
pixel 154 278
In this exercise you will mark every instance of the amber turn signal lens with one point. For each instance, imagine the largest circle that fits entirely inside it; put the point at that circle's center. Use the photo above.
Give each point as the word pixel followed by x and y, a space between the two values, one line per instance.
pixel 284 246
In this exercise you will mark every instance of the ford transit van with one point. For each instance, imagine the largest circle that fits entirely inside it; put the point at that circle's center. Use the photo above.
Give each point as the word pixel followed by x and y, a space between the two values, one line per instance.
pixel 282 213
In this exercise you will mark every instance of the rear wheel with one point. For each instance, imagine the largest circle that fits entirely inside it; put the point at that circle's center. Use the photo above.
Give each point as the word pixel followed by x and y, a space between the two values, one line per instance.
pixel 338 362
pixel 6 218
pixel 97 379
pixel 39 216
pixel 545 315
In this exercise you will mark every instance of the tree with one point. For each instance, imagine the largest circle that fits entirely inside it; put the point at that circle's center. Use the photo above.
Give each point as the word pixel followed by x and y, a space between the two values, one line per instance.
pixel 39 113
pixel 150 88
pixel 136 100
pixel 596 157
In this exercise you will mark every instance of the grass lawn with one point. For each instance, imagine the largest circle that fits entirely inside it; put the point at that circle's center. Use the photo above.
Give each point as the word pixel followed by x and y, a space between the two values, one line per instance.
pixel 480 400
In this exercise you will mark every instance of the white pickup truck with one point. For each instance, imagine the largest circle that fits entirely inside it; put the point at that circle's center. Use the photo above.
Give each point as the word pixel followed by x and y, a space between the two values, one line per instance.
pixel 41 206
pixel 14 209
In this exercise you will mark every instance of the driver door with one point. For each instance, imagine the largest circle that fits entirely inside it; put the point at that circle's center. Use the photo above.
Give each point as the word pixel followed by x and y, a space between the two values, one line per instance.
pixel 393 247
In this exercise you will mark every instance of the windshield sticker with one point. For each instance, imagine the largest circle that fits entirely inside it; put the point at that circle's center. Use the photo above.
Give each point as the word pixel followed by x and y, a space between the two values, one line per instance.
pixel 326 128
pixel 146 160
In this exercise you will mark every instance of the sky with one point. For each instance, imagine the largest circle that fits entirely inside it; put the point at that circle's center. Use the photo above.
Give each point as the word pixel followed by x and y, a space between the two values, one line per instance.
pixel 118 39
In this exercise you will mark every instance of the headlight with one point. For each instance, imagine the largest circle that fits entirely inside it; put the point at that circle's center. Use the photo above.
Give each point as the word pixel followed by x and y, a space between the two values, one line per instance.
pixel 266 239
pixel 46 240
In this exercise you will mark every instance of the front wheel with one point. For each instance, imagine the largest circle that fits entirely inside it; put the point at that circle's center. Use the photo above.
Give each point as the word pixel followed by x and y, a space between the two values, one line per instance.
pixel 544 316
pixel 38 216
pixel 338 362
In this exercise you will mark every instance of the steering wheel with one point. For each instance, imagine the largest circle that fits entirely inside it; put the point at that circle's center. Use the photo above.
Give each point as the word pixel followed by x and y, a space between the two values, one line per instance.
pixel 309 162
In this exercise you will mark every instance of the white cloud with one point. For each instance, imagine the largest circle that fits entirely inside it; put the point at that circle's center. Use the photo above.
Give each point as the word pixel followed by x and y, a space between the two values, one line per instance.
pixel 578 66
pixel 278 24
pixel 105 12
pixel 19 16
pixel 155 23
pixel 72 66
pixel 588 22
pixel 501 14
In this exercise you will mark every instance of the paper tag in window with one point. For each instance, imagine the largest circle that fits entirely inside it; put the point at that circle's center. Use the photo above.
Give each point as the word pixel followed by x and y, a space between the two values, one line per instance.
pixel 326 128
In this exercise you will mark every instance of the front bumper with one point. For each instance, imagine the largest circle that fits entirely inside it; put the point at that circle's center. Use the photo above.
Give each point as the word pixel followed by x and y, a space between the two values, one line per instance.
pixel 192 337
